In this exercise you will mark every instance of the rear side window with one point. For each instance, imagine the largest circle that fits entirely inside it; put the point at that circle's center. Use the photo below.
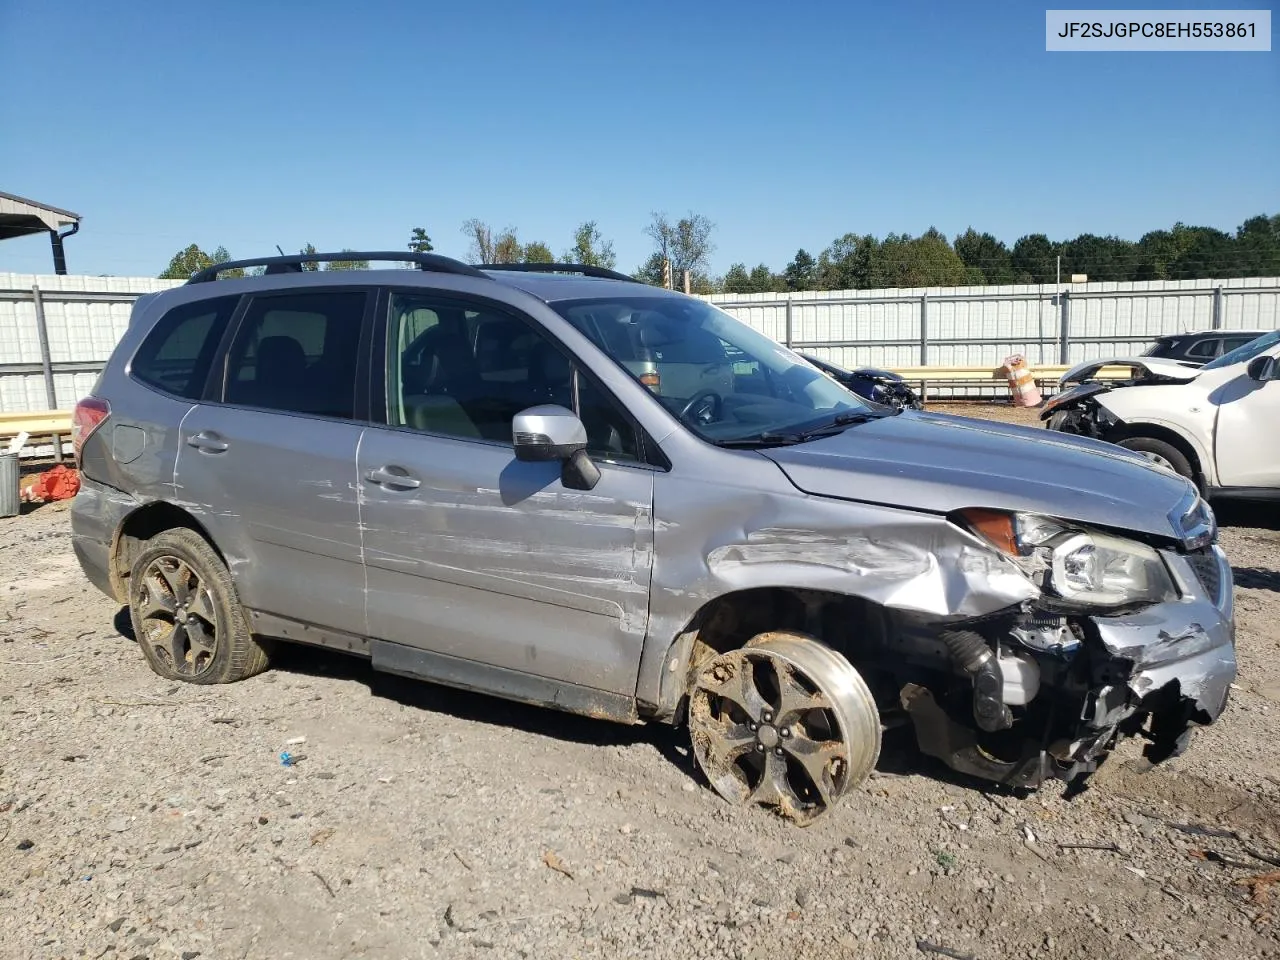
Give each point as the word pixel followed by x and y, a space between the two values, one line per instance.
pixel 1204 349
pixel 298 353
pixel 176 354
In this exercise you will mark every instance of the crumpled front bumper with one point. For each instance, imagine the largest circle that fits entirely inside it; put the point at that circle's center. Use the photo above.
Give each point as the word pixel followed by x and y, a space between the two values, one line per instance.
pixel 1181 661
pixel 1161 672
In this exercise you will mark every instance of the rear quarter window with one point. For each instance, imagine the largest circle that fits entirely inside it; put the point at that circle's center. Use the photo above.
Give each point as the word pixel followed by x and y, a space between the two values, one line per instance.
pixel 175 356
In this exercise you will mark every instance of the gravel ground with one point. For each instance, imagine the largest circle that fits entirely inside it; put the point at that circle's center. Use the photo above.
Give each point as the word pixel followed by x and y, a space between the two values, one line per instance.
pixel 141 818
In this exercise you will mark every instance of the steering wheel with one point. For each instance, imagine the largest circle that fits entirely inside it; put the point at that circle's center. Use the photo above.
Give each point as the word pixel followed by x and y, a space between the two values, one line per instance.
pixel 708 405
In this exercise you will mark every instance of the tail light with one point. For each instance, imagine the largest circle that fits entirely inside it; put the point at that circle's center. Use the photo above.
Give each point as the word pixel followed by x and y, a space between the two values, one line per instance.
pixel 651 380
pixel 88 417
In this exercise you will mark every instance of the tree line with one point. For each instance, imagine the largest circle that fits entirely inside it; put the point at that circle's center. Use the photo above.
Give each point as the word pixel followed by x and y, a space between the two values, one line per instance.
pixel 861 261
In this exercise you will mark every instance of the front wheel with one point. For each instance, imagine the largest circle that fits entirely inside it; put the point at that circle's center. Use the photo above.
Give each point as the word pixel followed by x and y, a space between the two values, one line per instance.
pixel 784 722
pixel 186 614
pixel 1160 453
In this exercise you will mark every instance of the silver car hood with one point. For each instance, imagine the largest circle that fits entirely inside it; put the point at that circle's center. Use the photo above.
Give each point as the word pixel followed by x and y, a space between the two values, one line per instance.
pixel 939 463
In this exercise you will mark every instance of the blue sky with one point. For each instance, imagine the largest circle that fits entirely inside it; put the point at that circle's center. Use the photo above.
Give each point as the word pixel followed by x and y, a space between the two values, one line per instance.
pixel 347 124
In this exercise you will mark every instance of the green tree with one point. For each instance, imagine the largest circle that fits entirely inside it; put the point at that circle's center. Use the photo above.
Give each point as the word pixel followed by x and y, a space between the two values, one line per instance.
pixel 650 271
pixel 801 271
pixel 850 263
pixel 737 280
pixel 347 264
pixel 985 254
pixel 187 261
pixel 309 265
pixel 419 242
pixel 686 243
pixel 537 252
pixel 1099 258
pixel 591 248
pixel 1258 247
pixel 1034 259
pixel 764 280
pixel 924 261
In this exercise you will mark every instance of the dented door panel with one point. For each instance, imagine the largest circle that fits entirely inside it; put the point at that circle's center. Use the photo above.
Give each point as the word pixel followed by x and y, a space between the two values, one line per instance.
pixel 492 559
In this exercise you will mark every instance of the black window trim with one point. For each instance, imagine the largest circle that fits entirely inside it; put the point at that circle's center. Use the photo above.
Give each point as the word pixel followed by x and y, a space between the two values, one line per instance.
pixel 232 321
pixel 651 456
pixel 215 388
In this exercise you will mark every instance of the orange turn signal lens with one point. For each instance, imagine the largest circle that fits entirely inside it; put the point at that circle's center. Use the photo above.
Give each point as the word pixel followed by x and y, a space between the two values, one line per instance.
pixel 651 380
pixel 997 527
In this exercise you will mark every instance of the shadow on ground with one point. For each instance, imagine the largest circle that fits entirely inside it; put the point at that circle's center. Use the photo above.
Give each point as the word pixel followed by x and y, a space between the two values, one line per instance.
pixel 1255 578
pixel 1262 514
pixel 899 755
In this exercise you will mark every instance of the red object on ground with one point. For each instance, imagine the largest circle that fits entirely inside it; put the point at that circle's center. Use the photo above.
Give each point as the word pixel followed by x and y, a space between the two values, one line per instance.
pixel 60 483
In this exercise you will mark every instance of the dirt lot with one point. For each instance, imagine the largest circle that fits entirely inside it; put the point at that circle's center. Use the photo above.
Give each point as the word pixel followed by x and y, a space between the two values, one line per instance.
pixel 141 818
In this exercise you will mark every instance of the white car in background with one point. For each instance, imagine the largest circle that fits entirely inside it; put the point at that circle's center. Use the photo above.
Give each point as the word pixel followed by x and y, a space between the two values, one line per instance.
pixel 1218 424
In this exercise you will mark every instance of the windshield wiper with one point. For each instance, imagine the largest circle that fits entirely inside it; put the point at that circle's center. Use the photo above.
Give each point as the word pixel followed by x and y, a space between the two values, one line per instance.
pixel 774 438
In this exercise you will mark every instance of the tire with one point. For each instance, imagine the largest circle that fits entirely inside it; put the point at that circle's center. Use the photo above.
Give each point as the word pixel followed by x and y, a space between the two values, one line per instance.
pixel 1165 454
pixel 186 613
pixel 786 723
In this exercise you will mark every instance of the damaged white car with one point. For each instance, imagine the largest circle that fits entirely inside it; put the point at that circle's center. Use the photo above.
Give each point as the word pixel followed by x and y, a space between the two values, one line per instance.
pixel 1214 424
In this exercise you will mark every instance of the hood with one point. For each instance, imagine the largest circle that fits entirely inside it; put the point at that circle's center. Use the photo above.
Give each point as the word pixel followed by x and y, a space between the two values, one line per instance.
pixel 874 373
pixel 1154 368
pixel 939 463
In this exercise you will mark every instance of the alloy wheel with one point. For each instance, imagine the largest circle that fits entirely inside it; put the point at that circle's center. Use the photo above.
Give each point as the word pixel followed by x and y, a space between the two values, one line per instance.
pixel 177 615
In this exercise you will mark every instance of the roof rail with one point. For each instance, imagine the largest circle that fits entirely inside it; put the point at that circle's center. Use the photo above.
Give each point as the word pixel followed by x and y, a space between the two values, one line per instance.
pixel 584 269
pixel 292 263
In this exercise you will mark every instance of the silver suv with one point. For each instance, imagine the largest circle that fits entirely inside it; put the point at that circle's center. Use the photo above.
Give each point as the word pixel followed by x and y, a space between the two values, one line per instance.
pixel 461 474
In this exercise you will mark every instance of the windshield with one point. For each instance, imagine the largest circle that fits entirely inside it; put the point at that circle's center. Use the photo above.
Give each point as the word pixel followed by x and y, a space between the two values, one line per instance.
pixel 1247 352
pixel 724 380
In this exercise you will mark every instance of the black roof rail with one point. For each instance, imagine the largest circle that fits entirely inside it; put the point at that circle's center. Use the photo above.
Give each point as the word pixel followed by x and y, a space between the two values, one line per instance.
pixel 584 269
pixel 292 263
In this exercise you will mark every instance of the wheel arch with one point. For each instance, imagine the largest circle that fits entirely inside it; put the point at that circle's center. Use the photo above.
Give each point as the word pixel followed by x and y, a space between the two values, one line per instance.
pixel 1129 430
pixel 728 620
pixel 140 526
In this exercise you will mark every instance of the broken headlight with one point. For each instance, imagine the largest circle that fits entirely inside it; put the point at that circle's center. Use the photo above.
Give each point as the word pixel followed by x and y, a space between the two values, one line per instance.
pixel 1078 565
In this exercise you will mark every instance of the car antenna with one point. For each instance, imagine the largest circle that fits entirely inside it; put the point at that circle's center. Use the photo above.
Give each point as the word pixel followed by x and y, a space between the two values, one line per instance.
pixel 278 248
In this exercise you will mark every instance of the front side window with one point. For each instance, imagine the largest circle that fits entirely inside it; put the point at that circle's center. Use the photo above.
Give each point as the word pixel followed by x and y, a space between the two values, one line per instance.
pixel 724 380
pixel 471 369
pixel 1204 349
pixel 298 353
pixel 176 354
pixel 1245 353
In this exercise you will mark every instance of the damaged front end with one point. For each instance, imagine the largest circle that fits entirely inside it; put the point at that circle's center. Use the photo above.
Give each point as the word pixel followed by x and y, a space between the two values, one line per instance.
pixel 1075 409
pixel 1128 638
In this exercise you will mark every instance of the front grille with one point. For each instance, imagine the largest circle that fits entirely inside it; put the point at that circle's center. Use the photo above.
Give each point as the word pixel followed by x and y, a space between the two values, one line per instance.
pixel 1205 564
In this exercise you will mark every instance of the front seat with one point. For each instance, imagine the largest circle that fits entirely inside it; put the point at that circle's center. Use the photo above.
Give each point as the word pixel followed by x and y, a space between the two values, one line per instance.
pixel 450 380
pixel 279 376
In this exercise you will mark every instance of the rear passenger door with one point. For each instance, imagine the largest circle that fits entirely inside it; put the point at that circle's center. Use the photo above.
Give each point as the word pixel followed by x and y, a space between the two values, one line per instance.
pixel 485 571
pixel 268 460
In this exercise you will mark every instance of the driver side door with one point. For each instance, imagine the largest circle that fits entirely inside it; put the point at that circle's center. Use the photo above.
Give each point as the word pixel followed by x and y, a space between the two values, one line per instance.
pixel 485 571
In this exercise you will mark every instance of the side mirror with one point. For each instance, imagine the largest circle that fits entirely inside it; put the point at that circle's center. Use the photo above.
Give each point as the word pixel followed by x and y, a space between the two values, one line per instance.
pixel 551 432
pixel 1263 369
pixel 547 432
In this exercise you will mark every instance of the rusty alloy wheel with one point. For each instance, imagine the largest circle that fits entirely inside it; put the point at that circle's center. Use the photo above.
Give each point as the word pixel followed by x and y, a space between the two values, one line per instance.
pixel 178 616
pixel 784 722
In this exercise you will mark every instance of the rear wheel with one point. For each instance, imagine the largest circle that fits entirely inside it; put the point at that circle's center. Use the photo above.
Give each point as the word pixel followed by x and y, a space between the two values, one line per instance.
pixel 786 723
pixel 186 613
pixel 1163 454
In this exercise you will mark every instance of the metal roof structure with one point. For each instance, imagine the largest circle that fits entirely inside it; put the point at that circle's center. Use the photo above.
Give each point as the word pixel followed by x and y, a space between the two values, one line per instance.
pixel 20 217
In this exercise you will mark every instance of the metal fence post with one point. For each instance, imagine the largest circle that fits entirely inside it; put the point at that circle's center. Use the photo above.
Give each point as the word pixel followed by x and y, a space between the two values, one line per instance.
pixel 1064 343
pixel 46 363
pixel 924 330
pixel 788 334
pixel 1217 307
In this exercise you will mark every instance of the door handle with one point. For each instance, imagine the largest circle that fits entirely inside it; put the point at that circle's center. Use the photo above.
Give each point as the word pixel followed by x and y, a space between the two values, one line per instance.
pixel 387 477
pixel 207 443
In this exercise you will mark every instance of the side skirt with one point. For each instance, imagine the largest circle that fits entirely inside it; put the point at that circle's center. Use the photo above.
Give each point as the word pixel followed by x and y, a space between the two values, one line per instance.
pixel 408 661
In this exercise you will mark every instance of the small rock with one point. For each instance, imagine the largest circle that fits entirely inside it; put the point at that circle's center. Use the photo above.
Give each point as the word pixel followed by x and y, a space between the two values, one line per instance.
pixel 689 786
pixel 802 898
pixel 190 954
pixel 115 925
pixel 25 844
